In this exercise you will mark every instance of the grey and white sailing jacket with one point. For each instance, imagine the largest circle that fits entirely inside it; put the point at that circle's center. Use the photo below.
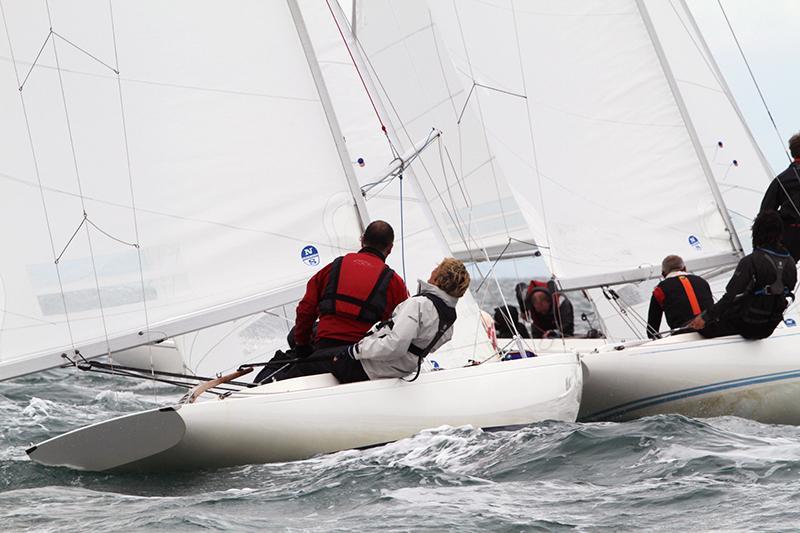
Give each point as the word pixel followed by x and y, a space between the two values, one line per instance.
pixel 384 352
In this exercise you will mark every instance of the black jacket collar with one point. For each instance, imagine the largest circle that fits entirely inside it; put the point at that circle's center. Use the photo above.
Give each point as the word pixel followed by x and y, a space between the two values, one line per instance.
pixel 373 251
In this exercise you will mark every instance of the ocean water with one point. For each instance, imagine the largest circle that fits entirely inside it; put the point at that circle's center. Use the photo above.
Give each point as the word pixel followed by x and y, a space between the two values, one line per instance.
pixel 666 473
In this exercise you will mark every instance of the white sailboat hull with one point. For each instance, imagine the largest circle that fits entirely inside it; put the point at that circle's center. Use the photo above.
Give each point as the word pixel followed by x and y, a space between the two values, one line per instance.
pixel 302 417
pixel 688 375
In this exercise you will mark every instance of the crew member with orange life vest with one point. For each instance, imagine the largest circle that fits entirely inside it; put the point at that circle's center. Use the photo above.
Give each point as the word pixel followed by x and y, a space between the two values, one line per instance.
pixel 680 296
pixel 350 294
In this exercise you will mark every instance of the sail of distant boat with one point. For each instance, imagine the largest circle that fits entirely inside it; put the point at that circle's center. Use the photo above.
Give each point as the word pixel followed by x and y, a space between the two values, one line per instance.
pixel 624 146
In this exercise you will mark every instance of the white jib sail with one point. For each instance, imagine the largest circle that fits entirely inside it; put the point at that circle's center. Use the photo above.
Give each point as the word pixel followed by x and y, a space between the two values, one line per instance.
pixel 460 178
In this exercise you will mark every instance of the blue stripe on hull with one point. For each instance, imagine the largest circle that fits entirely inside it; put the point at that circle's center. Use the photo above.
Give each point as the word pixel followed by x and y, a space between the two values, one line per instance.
pixel 643 403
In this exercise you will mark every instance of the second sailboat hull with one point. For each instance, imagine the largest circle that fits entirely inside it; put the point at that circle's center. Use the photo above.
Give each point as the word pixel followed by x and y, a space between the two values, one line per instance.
pixel 692 376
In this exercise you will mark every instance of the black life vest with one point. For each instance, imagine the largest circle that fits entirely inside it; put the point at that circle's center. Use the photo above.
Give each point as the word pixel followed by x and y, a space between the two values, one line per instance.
pixel 357 288
pixel 764 305
pixel 447 317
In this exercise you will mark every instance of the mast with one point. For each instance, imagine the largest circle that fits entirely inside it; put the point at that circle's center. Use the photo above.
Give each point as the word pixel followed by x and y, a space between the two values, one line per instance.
pixel 330 114
pixel 390 131
pixel 690 129
pixel 353 14
pixel 726 89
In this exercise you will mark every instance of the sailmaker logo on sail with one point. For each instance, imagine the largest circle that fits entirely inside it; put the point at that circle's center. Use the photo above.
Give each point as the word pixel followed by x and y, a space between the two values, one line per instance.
pixel 310 255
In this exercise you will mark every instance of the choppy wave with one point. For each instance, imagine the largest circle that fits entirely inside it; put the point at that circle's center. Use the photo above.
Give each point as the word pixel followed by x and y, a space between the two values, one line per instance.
pixel 660 473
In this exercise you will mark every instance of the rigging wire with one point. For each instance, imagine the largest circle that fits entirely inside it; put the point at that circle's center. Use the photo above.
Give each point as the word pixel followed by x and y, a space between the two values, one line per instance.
pixel 766 107
pixel 405 131
pixel 361 77
pixel 481 117
pixel 133 196
pixel 402 226
pixel 753 78
pixel 78 179
pixel 452 214
pixel 536 168
pixel 612 296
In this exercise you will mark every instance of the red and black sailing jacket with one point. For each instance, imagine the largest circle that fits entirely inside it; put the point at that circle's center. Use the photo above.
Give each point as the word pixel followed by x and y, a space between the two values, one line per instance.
pixel 680 297
pixel 348 296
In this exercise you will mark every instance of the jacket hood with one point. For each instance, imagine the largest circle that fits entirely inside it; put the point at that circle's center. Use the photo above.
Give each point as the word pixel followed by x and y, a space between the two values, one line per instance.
pixel 424 287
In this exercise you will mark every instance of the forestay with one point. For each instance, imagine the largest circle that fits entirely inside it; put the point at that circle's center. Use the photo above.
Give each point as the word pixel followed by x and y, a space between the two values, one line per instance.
pixel 146 155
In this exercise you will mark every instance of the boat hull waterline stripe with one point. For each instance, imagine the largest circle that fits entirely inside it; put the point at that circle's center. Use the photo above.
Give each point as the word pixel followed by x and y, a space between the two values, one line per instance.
pixel 651 401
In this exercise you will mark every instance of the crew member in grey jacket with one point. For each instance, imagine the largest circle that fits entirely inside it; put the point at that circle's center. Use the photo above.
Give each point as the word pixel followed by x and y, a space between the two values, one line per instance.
pixel 395 348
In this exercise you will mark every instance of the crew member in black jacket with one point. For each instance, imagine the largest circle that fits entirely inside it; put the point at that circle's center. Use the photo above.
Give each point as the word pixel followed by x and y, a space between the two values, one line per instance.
pixel 783 196
pixel 756 295
pixel 680 296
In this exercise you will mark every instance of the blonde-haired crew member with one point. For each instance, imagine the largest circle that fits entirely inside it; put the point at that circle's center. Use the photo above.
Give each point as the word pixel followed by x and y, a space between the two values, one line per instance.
pixel 396 347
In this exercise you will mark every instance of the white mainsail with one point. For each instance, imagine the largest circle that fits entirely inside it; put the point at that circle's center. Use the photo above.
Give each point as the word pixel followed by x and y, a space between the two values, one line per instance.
pixel 145 156
pixel 593 135
pixel 418 246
